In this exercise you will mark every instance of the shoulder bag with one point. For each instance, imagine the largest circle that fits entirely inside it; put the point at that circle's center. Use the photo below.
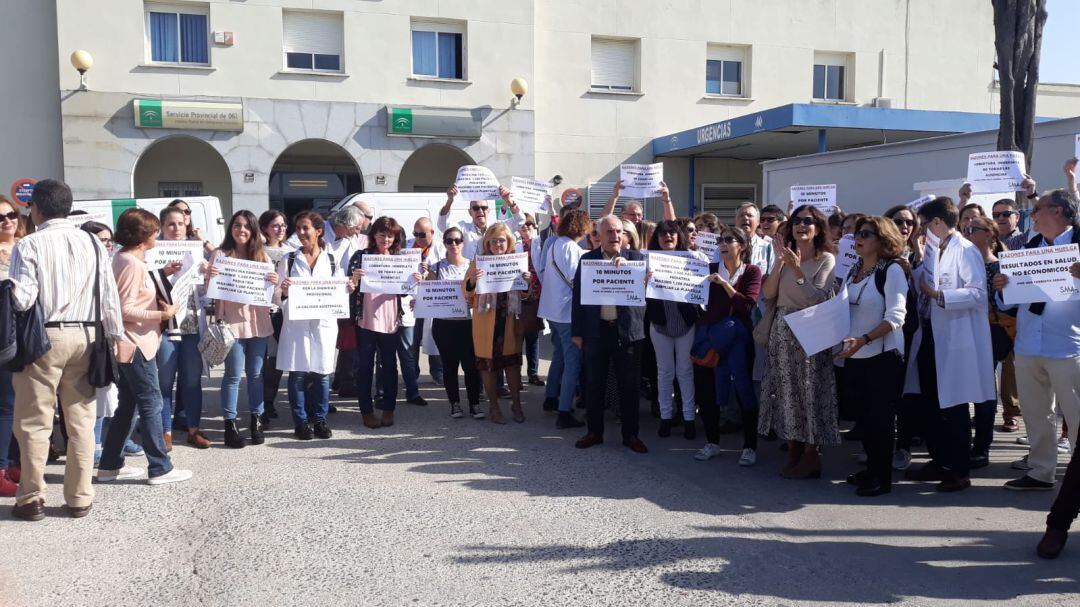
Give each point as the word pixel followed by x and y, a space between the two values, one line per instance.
pixel 102 371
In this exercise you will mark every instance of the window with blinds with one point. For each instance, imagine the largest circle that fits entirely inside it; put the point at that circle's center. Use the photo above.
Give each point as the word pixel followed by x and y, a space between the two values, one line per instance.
pixel 312 41
pixel 178 34
pixel 600 191
pixel 721 199
pixel 614 64
pixel 438 49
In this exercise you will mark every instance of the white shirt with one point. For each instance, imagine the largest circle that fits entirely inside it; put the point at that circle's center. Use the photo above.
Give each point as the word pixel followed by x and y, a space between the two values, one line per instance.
pixel 762 254
pixel 55 265
pixel 868 308
pixel 307 345
pixel 474 235
pixel 559 263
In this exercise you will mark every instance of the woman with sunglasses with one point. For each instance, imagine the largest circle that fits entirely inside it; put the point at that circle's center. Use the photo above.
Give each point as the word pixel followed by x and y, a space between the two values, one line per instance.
pixel 453 336
pixel 273 226
pixel 9 467
pixel 192 232
pixel 874 354
pixel 798 393
pixel 725 327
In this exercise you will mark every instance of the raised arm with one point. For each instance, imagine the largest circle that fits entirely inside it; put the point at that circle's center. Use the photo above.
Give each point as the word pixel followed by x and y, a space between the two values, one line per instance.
pixel 1070 179
pixel 665 199
pixel 444 212
pixel 609 208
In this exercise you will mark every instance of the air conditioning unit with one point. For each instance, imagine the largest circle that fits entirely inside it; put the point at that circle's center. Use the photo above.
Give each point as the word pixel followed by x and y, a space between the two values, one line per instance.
pixel 883 102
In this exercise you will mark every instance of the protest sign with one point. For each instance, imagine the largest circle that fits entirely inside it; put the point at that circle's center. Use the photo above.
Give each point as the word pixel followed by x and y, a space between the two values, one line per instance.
pixel 440 299
pixel 845 256
pixel 241 281
pixel 182 287
pixel 1076 149
pixel 709 244
pixel 1040 274
pixel 995 172
pixel 390 274
pixel 678 278
pixel 475 182
pixel 641 180
pixel 531 195
pixel 104 216
pixel 171 251
pixel 603 284
pixel 501 272
pixel 823 326
pixel 918 202
pixel 821 196
pixel 313 298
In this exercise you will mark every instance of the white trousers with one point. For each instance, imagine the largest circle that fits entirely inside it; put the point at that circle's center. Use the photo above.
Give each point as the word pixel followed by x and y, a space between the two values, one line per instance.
pixel 673 360
pixel 1039 382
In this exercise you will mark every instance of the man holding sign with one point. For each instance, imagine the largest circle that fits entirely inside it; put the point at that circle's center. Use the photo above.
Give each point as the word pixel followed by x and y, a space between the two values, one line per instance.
pixel 1047 350
pixel 479 210
pixel 609 335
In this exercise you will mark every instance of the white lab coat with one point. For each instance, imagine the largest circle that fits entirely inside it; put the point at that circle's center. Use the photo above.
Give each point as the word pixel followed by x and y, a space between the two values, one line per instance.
pixel 962 351
pixel 306 345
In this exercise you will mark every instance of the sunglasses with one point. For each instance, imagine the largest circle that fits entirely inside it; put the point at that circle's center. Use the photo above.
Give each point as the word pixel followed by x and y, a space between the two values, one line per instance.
pixel 419 234
pixel 972 229
pixel 1003 214
pixel 901 223
pixel 864 234
pixel 729 240
pixel 12 216
pixel 806 221
pixel 690 229
pixel 453 240
pixel 479 209
pixel 770 219
pixel 530 225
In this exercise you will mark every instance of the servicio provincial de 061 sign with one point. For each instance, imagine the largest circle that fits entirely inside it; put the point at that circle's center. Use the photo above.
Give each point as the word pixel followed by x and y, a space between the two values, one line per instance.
pixel 169 114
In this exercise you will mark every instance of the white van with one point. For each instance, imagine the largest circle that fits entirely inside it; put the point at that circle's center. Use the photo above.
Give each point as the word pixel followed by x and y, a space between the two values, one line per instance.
pixel 205 212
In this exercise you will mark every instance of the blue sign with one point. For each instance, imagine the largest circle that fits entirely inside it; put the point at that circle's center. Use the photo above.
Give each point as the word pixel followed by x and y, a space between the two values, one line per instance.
pixel 22 190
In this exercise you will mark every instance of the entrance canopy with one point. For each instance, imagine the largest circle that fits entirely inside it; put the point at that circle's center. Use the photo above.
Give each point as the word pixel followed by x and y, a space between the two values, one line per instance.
pixel 802 128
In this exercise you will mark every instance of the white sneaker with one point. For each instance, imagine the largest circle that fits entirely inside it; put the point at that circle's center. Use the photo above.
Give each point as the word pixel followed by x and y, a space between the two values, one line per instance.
pixel 123 474
pixel 1022 440
pixel 175 475
pixel 901 459
pixel 709 451
pixel 1063 445
pixel 1021 464
pixel 748 457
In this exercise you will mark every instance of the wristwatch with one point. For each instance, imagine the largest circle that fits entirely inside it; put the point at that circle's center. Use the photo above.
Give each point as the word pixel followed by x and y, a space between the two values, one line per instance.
pixel 866 338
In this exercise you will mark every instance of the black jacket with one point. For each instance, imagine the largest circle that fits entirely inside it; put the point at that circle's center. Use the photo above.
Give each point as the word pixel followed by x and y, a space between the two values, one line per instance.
pixel 585 320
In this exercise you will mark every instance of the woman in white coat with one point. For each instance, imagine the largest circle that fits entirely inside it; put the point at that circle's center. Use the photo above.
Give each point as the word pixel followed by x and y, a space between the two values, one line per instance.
pixel 306 347
pixel 952 362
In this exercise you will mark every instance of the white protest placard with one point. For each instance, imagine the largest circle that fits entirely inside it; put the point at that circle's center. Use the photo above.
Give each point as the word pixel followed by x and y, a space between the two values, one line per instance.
pixel 501 272
pixel 182 286
pixel 914 205
pixel 641 180
pixel 845 256
pixel 678 278
pixel 241 281
pixel 170 251
pixel 313 298
pixel 104 216
pixel 709 244
pixel 475 182
pixel 823 326
pixel 603 284
pixel 440 299
pixel 389 274
pixel 1040 274
pixel 821 196
pixel 531 194
pixel 1076 149
pixel 995 172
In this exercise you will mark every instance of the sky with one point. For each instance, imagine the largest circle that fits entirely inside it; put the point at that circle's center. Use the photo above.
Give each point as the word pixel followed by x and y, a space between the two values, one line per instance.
pixel 1060 52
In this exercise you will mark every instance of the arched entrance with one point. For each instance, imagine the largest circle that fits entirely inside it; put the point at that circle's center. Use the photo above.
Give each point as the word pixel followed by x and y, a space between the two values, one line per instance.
pixel 312 174
pixel 432 168
pixel 179 166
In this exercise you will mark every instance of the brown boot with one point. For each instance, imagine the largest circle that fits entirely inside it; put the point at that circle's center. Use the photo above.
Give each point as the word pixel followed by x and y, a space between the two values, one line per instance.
pixel 197 439
pixel 387 419
pixel 371 421
pixel 168 442
pixel 809 465
pixel 794 454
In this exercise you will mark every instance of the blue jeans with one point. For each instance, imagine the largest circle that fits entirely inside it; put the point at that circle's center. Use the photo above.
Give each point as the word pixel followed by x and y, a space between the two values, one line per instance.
pixel 248 353
pixel 555 371
pixel 571 359
pixel 7 417
pixel 179 363
pixel 139 390
pixel 731 340
pixel 309 390
pixel 532 353
pixel 367 342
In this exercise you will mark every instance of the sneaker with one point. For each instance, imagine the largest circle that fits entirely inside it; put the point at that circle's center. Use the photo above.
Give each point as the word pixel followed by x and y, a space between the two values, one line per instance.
pixel 709 451
pixel 132 448
pixel 455 411
pixel 322 430
pixel 1026 483
pixel 748 457
pixel 417 400
pixel 1022 440
pixel 303 431
pixel 8 488
pixel 1021 464
pixel 175 475
pixel 1063 445
pixel 476 412
pixel 1009 425
pixel 123 474
pixel 901 459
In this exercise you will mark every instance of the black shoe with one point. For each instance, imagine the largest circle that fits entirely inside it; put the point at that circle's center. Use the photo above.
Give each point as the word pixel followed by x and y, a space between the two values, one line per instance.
pixel 873 488
pixel 257 430
pixel 417 400
pixel 30 511
pixel 567 420
pixel 303 431
pixel 322 430
pixel 551 404
pixel 233 439
pixel 535 380
pixel 860 478
pixel 978 461
pixel 689 430
pixel 665 428
pixel 265 419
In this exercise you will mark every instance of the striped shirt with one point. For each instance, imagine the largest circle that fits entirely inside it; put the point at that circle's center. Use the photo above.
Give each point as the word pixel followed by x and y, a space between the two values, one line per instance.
pixel 55 265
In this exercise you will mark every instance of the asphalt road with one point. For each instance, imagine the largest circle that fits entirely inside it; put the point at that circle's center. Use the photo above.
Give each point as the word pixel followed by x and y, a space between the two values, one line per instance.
pixel 436 511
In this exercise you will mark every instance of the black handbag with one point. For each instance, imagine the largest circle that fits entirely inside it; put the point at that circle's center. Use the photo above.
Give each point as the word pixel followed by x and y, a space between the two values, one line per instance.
pixel 32 339
pixel 102 371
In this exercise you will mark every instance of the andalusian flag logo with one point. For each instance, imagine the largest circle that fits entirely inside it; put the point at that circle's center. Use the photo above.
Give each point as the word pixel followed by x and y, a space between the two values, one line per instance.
pixel 148 113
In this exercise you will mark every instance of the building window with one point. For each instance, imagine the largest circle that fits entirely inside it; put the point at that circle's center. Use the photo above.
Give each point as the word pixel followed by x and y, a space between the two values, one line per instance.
pixel 438 50
pixel 724 71
pixel 721 199
pixel 312 41
pixel 614 64
pixel 178 35
pixel 830 77
pixel 179 189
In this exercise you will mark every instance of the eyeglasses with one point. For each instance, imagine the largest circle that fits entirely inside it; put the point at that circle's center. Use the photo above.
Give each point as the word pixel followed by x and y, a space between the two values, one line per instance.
pixel 497 240
pixel 474 209
pixel 1003 214
pixel 453 240
pixel 968 231
pixel 729 239
pixel 12 216
pixel 864 234
pixel 276 226
pixel 904 223
pixel 419 234
pixel 770 219
pixel 806 221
